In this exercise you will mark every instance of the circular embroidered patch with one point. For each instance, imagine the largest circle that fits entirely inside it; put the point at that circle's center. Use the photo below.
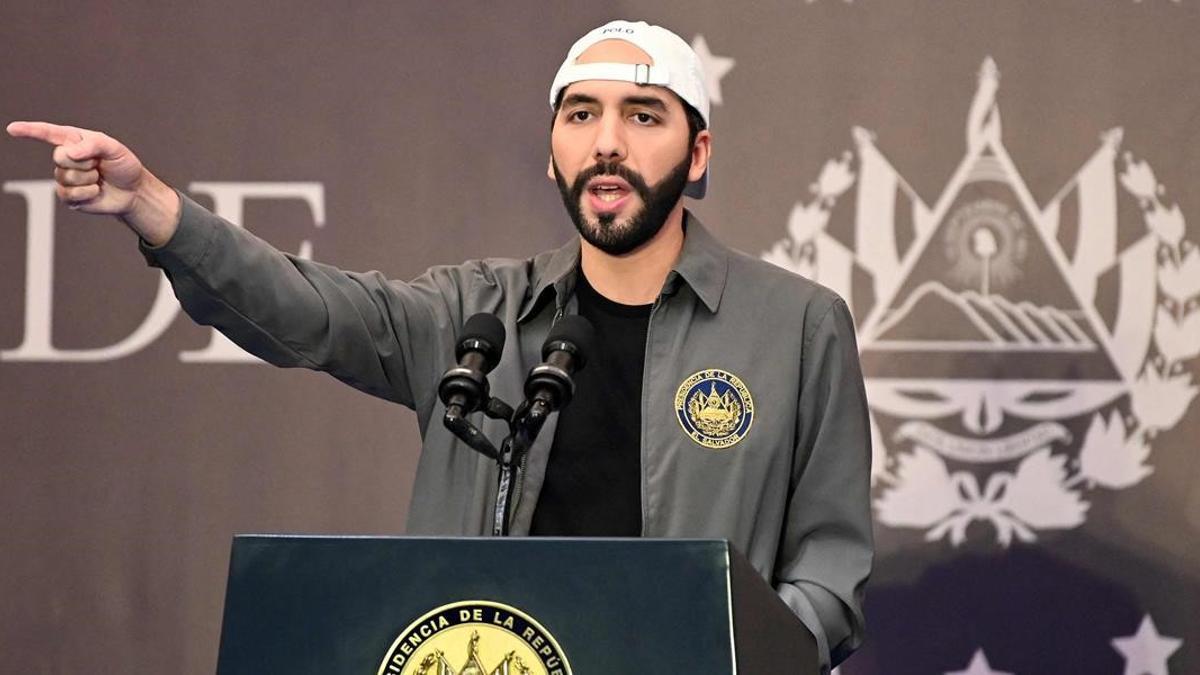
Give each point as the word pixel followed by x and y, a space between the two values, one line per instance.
pixel 714 408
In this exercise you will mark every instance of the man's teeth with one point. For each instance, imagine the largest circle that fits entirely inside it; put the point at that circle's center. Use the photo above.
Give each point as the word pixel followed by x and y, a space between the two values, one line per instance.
pixel 608 193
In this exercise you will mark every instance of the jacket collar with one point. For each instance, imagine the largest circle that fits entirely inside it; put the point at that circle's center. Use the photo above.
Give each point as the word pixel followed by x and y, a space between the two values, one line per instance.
pixel 703 264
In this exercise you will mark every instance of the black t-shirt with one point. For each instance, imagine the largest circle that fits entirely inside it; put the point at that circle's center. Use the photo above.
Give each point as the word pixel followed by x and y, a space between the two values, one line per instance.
pixel 593 479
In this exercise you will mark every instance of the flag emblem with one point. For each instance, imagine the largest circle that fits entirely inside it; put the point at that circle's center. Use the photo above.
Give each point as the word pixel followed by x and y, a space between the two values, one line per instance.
pixel 1018 356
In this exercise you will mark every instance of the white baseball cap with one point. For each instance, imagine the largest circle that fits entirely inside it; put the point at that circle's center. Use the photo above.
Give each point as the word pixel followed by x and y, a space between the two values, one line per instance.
pixel 675 66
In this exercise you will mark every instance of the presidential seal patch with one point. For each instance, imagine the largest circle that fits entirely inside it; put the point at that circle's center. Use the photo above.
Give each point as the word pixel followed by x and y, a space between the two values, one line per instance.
pixel 475 637
pixel 714 408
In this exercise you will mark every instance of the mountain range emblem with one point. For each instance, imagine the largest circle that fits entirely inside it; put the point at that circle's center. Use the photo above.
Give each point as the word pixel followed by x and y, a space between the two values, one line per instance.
pixel 1017 355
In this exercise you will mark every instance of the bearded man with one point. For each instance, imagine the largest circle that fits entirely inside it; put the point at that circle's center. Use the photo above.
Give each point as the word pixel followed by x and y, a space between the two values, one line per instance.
pixel 724 399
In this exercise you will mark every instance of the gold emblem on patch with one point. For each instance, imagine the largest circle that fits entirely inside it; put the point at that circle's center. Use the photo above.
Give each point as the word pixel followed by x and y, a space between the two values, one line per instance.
pixel 715 408
pixel 475 637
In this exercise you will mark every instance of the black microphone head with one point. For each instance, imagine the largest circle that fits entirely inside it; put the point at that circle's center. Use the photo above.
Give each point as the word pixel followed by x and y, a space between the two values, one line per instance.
pixel 572 333
pixel 483 333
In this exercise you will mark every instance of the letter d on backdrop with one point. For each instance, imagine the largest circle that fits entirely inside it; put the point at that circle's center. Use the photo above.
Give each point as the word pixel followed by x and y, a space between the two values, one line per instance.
pixel 40 200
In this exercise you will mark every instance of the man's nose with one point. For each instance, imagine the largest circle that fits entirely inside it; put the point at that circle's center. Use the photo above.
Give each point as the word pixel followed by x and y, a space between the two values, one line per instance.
pixel 610 140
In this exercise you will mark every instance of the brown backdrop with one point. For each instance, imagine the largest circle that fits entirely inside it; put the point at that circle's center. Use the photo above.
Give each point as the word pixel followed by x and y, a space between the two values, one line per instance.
pixel 122 481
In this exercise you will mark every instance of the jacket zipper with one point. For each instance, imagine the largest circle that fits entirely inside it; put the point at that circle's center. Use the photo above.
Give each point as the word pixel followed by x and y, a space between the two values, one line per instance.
pixel 518 488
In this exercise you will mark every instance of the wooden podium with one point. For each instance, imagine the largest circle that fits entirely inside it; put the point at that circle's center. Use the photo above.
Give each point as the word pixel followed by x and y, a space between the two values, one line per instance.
pixel 461 606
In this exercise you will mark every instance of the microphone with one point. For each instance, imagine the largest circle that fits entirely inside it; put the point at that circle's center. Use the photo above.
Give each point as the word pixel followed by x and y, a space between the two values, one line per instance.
pixel 464 388
pixel 549 385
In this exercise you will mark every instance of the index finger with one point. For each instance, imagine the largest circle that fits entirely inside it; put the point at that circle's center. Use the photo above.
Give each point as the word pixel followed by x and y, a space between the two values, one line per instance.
pixel 55 134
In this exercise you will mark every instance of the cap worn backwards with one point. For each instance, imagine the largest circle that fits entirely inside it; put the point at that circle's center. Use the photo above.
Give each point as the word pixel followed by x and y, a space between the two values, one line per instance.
pixel 674 66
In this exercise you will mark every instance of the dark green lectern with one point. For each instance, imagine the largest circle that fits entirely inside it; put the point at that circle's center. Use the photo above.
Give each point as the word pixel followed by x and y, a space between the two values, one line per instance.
pixel 490 606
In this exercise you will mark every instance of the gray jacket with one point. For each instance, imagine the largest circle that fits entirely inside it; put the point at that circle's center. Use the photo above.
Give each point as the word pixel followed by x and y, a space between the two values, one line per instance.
pixel 792 492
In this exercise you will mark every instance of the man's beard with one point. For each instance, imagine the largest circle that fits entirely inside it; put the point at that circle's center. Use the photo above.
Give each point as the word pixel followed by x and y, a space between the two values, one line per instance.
pixel 657 202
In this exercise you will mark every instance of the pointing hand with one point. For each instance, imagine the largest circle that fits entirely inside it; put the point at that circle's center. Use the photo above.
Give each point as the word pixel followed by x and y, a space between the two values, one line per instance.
pixel 97 174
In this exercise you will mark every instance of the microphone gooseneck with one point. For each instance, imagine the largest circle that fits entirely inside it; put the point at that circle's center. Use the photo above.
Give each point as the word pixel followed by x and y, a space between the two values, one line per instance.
pixel 551 385
pixel 464 388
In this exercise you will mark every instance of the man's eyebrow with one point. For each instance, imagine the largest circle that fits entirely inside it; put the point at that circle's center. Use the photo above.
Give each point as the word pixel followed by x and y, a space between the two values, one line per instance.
pixel 579 99
pixel 648 101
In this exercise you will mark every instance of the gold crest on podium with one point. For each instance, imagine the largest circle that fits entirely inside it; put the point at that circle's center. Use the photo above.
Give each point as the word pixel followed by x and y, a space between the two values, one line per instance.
pixel 475 637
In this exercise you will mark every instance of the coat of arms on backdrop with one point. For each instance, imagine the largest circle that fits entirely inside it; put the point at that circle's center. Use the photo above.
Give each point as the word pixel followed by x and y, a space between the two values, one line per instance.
pixel 1018 357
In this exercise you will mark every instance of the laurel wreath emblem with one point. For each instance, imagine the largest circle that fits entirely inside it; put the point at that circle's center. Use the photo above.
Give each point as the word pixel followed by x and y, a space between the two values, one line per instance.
pixel 1047 487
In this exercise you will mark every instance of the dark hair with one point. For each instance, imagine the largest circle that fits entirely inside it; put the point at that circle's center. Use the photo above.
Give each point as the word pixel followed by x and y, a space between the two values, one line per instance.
pixel 695 121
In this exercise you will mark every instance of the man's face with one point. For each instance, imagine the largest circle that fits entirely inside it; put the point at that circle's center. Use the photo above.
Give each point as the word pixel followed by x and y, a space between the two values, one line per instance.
pixel 620 154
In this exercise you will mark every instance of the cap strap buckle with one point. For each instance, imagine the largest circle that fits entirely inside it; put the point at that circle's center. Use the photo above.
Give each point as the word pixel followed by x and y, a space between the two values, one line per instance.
pixel 641 73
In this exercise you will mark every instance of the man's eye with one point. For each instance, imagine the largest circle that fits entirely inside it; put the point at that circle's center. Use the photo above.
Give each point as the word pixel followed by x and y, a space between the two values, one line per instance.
pixel 580 116
pixel 644 118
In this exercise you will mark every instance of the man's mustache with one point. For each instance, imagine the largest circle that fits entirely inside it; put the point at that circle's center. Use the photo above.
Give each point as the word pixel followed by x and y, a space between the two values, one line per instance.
pixel 617 169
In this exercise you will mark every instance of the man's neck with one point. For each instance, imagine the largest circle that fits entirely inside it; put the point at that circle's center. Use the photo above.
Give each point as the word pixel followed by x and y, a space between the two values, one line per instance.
pixel 637 277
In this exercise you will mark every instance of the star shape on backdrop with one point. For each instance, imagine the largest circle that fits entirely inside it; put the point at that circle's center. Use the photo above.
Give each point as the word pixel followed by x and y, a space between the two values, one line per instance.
pixel 979 666
pixel 1146 651
pixel 715 67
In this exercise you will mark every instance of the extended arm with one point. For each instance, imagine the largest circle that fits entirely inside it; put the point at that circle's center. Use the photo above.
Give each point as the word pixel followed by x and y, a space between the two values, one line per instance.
pixel 387 338
pixel 390 339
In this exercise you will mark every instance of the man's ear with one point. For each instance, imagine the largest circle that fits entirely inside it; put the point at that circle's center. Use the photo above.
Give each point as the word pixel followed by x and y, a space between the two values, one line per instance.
pixel 550 168
pixel 701 154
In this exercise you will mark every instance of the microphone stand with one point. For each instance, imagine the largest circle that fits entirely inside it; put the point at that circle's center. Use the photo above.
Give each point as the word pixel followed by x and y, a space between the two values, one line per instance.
pixel 524 424
pixel 548 387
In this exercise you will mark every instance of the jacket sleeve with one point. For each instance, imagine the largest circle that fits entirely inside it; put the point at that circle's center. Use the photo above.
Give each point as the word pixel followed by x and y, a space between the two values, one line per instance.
pixel 389 339
pixel 827 549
